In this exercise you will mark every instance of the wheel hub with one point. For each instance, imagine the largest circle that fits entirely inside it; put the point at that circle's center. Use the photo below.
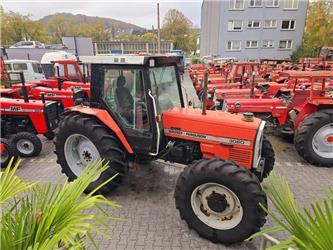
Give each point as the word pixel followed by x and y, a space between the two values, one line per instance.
pixel 217 206
pixel 217 202
pixel 25 146
pixel 79 152
pixel 322 141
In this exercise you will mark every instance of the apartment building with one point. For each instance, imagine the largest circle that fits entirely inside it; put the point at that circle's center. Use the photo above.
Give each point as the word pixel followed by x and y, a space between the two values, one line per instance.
pixel 252 29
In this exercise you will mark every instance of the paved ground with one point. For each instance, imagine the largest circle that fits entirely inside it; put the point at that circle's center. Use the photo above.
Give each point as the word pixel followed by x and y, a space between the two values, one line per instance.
pixel 150 219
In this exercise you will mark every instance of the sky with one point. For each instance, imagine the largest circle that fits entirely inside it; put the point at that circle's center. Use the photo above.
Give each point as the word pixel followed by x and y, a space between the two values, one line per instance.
pixel 139 12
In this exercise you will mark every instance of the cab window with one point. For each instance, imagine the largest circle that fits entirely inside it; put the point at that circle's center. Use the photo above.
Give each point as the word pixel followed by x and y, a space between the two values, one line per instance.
pixel 124 94
pixel 37 68
pixel 164 87
pixel 20 66
pixel 8 67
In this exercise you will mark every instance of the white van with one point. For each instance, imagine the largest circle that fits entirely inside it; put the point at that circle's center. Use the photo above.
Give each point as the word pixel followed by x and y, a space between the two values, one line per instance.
pixel 32 70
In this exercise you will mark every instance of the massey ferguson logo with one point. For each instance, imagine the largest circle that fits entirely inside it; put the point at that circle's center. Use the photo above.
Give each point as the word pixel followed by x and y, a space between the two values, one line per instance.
pixel 77 87
pixel 50 94
pixel 15 108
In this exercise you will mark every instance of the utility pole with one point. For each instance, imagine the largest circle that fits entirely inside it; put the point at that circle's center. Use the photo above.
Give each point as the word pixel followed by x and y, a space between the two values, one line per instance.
pixel 158 30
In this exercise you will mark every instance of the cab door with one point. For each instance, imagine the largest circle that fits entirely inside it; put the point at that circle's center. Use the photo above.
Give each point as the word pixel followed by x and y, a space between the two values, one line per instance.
pixel 125 96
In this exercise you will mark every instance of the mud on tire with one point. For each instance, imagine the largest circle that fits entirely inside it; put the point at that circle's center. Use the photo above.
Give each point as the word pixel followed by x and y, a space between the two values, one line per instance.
pixel 241 182
pixel 106 142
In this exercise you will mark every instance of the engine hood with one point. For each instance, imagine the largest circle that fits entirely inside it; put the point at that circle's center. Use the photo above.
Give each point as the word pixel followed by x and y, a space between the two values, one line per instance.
pixel 191 124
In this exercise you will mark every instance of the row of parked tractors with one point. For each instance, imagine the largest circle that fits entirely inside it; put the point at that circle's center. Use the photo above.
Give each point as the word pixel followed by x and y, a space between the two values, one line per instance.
pixel 297 104
pixel 135 111
pixel 35 108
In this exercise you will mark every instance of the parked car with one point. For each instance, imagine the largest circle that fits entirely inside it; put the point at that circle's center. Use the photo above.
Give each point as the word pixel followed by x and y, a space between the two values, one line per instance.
pixel 32 70
pixel 56 46
pixel 28 44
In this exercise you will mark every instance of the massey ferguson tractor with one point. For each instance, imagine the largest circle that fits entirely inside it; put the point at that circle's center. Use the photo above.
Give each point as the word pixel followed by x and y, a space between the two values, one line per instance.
pixel 305 113
pixel 23 119
pixel 137 111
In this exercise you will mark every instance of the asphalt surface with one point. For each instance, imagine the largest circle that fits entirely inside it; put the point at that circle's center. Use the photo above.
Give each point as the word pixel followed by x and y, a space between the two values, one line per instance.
pixel 149 217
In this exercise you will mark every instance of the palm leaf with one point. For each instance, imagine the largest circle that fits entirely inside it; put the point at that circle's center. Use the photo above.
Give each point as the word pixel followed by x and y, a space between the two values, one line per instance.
pixel 309 228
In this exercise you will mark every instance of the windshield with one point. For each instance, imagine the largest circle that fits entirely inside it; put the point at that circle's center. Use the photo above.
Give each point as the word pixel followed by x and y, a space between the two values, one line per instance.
pixel 164 87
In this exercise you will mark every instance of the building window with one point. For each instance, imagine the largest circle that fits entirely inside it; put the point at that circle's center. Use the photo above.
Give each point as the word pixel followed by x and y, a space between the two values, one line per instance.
pixel 255 3
pixel 253 24
pixel 268 24
pixel 291 4
pixel 285 44
pixel 234 45
pixel 236 4
pixel 268 44
pixel 251 44
pixel 272 3
pixel 235 25
pixel 288 25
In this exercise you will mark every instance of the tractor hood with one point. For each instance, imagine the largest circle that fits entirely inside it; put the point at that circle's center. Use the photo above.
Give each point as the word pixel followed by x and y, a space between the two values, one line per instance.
pixel 218 127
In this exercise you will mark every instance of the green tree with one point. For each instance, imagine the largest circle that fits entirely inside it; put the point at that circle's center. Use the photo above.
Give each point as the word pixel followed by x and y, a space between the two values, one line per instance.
pixel 178 29
pixel 149 37
pixel 318 30
pixel 59 26
pixel 127 37
pixel 94 30
pixel 16 27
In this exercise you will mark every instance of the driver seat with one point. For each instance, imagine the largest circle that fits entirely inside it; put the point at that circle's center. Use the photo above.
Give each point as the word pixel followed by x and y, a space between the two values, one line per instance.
pixel 123 95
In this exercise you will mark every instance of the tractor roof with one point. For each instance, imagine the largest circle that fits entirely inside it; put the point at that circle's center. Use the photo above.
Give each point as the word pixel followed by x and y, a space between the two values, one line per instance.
pixel 128 59
pixel 307 74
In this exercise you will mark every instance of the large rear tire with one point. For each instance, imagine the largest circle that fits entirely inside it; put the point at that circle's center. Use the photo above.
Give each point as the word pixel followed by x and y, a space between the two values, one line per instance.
pixel 220 200
pixel 314 138
pixel 27 144
pixel 81 139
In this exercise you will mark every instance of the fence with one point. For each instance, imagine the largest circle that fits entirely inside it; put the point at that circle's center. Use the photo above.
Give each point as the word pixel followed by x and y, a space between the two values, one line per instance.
pixel 135 47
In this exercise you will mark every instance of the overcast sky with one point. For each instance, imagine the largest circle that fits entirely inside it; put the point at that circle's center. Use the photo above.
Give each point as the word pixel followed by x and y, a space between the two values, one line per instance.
pixel 139 12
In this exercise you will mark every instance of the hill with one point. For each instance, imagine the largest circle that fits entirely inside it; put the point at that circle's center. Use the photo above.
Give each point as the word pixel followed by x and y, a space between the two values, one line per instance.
pixel 120 26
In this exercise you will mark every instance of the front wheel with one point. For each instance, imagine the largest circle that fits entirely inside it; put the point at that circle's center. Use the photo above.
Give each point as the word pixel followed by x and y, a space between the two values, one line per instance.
pixel 27 144
pixel 220 200
pixel 314 138
pixel 81 140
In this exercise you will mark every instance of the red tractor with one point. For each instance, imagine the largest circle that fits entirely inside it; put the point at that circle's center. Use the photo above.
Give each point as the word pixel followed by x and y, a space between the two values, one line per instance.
pixel 137 112
pixel 306 114
pixel 23 119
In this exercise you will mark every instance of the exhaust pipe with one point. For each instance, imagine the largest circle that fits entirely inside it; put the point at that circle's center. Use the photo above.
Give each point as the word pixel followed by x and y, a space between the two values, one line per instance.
pixel 24 88
pixel 204 94
pixel 58 78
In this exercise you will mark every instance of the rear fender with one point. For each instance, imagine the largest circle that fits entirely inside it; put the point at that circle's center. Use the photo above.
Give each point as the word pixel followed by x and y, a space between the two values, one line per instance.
pixel 304 111
pixel 106 119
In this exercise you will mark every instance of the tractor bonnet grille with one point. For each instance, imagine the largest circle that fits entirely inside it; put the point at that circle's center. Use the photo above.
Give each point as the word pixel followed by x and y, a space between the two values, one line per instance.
pixel 240 156
pixel 52 114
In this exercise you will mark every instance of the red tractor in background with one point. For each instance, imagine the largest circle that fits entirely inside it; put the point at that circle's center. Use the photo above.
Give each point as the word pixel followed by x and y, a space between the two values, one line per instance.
pixel 23 119
pixel 137 112
pixel 306 114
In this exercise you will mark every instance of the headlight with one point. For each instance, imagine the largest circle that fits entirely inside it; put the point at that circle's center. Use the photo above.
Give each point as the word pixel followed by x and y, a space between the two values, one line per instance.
pixel 258 145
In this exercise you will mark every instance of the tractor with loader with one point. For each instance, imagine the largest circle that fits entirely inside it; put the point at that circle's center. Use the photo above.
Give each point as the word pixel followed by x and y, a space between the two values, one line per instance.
pixel 137 112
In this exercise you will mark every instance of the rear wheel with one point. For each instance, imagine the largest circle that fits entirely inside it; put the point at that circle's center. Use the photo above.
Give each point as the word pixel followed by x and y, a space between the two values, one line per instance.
pixel 220 200
pixel 314 138
pixel 81 140
pixel 8 152
pixel 27 144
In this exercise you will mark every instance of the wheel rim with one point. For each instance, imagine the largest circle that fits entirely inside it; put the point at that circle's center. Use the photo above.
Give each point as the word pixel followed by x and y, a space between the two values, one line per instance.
pixel 79 152
pixel 4 156
pixel 25 146
pixel 322 141
pixel 216 206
